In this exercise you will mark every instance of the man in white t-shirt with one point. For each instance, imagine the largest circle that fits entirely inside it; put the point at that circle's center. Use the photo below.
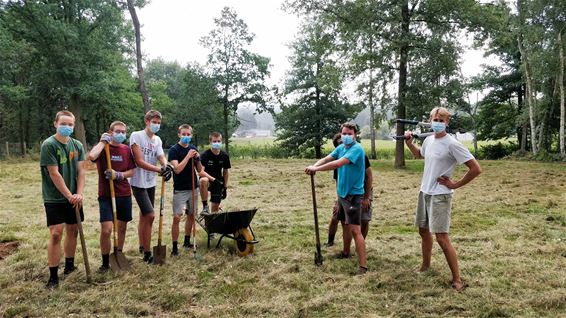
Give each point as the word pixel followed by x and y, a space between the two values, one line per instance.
pixel 147 149
pixel 441 153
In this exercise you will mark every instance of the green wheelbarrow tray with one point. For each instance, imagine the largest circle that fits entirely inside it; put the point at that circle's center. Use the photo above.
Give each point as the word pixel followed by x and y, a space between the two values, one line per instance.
pixel 234 225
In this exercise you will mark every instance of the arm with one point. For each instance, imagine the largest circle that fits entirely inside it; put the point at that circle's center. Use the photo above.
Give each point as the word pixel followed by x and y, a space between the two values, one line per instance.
pixel 474 170
pixel 81 171
pixel 96 151
pixel 320 163
pixel 162 160
pixel 138 158
pixel 226 174
pixel 368 189
pixel 59 183
pixel 180 166
pixel 416 151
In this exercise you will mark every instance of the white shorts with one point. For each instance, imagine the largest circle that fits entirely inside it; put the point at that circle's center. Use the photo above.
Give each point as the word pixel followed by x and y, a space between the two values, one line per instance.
pixel 183 200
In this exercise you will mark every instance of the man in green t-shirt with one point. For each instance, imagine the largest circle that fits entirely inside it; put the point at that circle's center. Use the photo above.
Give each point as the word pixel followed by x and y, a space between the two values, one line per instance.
pixel 62 184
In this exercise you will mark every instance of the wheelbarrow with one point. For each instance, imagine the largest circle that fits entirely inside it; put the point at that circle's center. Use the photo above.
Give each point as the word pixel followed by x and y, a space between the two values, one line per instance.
pixel 234 225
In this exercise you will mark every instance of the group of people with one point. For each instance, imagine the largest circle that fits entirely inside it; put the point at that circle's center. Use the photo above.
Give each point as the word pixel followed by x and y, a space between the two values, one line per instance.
pixel 441 153
pixel 63 180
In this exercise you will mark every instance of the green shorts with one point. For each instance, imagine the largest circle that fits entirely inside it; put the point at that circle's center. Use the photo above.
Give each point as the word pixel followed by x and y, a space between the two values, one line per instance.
pixel 433 212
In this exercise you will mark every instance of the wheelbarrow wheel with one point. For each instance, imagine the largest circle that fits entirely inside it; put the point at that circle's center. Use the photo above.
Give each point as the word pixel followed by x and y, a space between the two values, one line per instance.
pixel 243 248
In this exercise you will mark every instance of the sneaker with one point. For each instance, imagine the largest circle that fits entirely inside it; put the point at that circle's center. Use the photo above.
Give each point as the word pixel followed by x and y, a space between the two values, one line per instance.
pixel 329 244
pixel 342 255
pixel 103 269
pixel 69 270
pixel 187 245
pixel 140 249
pixel 52 284
pixel 205 211
pixel 174 253
pixel 148 258
pixel 362 270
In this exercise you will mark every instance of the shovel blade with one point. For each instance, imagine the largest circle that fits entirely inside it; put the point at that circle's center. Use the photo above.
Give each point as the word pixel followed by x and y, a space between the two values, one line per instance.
pixel 114 265
pixel 159 254
pixel 123 261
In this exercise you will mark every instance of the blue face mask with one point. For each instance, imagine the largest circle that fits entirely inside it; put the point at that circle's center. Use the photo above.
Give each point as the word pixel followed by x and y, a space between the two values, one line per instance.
pixel 119 137
pixel 186 139
pixel 65 131
pixel 154 127
pixel 347 139
pixel 216 145
pixel 437 126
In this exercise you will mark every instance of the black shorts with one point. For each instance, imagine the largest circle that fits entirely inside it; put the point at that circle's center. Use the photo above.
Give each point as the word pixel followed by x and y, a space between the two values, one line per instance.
pixel 123 209
pixel 215 192
pixel 350 211
pixel 145 199
pixel 59 213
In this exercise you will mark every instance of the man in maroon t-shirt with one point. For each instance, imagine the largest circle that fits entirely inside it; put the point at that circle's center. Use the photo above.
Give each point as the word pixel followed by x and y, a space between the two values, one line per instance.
pixel 123 164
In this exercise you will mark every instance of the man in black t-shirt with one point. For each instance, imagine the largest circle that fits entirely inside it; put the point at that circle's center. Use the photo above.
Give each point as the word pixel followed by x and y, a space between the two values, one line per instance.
pixel 183 156
pixel 366 202
pixel 216 164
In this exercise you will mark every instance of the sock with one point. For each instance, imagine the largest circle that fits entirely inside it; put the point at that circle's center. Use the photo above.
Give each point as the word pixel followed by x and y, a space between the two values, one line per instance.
pixel 187 239
pixel 105 260
pixel 69 262
pixel 331 238
pixel 53 274
pixel 174 245
pixel 204 204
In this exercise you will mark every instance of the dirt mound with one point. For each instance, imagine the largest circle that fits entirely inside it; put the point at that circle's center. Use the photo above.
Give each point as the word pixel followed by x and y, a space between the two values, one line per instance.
pixel 6 248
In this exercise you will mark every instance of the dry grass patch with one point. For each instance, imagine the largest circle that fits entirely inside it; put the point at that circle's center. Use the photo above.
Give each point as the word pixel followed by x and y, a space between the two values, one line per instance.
pixel 508 228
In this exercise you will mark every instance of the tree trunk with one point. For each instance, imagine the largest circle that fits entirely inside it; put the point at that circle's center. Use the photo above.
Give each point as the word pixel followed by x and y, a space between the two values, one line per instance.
pixel 76 109
pixel 521 132
pixel 373 154
pixel 141 77
pixel 226 138
pixel 402 89
pixel 530 98
pixel 318 138
pixel 561 85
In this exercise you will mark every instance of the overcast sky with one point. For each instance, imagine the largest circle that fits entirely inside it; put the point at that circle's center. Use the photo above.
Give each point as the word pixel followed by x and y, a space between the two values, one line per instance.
pixel 172 28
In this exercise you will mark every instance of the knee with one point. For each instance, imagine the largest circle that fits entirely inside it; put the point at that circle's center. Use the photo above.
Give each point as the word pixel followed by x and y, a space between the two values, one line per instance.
pixel 56 235
pixel 149 218
pixel 203 182
pixel 443 240
pixel 176 219
pixel 72 230
pixel 424 233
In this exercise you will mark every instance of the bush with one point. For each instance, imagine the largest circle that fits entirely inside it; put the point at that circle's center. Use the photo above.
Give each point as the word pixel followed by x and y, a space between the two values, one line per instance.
pixel 497 151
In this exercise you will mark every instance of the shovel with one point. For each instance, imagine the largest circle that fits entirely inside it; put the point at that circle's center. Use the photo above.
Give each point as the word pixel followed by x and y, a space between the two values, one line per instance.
pixel 83 244
pixel 317 254
pixel 160 251
pixel 118 261
pixel 193 215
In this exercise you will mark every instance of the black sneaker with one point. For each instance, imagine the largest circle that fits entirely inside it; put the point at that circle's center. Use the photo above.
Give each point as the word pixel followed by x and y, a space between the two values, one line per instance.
pixel 174 253
pixel 187 245
pixel 103 269
pixel 69 270
pixel 52 284
pixel 342 255
pixel 361 270
pixel 329 244
pixel 148 258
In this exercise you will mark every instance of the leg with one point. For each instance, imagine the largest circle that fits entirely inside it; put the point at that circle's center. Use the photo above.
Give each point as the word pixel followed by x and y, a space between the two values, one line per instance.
pixel 122 226
pixel 333 225
pixel 426 248
pixel 214 207
pixel 360 243
pixel 346 238
pixel 365 228
pixel 140 231
pixel 72 231
pixel 189 221
pixel 54 245
pixel 203 183
pixel 147 224
pixel 451 257
pixel 175 227
pixel 105 232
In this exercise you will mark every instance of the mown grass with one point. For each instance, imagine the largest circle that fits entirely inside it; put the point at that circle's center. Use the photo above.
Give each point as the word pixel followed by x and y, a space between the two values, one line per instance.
pixel 508 227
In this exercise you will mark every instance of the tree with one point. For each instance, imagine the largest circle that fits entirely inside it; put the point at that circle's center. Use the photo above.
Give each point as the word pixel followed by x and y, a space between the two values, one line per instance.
pixel 316 108
pixel 77 42
pixel 139 60
pixel 239 73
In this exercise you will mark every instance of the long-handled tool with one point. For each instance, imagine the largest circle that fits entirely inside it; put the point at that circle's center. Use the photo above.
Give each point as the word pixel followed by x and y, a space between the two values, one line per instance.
pixel 418 136
pixel 318 254
pixel 194 209
pixel 83 244
pixel 160 251
pixel 118 261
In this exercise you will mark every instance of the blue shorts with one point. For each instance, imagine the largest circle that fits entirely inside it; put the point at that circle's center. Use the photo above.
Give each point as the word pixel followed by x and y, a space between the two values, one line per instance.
pixel 123 209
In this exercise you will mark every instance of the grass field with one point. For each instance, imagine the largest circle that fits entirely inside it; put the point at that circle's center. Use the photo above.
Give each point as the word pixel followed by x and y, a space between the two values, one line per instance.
pixel 509 228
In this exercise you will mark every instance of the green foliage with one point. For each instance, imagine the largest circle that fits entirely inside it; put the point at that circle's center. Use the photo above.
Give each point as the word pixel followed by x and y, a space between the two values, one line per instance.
pixel 497 151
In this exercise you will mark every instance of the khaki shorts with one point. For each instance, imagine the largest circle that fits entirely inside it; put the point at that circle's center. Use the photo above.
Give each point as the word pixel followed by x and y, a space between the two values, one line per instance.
pixel 184 199
pixel 433 212
pixel 366 215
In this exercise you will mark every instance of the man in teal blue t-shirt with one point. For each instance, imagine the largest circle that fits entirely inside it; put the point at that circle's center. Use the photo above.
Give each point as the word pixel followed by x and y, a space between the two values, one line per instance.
pixel 348 158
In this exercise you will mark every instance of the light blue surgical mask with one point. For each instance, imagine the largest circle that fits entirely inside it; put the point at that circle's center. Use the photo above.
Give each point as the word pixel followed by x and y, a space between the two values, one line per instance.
pixel 216 145
pixel 119 137
pixel 347 139
pixel 65 131
pixel 437 126
pixel 186 139
pixel 154 127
